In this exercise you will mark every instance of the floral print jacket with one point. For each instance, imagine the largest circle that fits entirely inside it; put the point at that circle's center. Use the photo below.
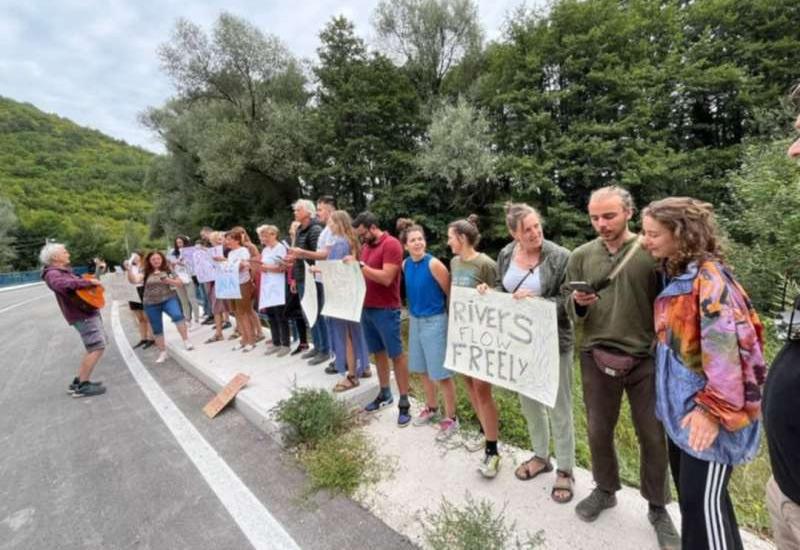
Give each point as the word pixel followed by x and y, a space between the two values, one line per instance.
pixel 710 354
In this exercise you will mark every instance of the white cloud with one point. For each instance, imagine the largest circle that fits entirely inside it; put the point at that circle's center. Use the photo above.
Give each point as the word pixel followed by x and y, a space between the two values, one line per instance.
pixel 95 62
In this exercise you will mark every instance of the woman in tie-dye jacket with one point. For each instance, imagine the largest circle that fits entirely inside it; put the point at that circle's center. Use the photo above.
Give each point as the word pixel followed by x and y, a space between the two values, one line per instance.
pixel 709 367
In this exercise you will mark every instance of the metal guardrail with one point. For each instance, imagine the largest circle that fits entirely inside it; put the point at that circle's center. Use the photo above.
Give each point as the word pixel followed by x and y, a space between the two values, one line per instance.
pixel 26 277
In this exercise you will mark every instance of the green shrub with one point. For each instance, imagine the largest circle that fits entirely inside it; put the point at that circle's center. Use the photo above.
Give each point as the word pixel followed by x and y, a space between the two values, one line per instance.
pixel 475 526
pixel 341 464
pixel 311 415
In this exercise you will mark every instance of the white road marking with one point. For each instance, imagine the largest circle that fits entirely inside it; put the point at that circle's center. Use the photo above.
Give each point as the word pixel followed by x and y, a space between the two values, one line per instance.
pixel 258 525
pixel 18 304
pixel 19 287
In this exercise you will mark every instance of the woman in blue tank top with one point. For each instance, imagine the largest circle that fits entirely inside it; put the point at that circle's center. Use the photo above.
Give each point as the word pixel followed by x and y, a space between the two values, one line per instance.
pixel 427 283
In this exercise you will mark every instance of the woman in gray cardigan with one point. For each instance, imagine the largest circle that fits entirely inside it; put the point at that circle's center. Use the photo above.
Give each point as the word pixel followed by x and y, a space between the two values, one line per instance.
pixel 531 266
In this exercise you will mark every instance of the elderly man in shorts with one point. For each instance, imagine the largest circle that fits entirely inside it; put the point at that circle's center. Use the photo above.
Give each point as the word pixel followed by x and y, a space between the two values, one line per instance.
pixel 64 283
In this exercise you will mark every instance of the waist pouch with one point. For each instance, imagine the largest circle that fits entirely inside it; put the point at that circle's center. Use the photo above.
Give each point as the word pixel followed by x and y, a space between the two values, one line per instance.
pixel 613 362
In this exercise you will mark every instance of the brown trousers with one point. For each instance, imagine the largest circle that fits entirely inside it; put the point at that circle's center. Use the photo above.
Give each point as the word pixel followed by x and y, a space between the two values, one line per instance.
pixel 602 395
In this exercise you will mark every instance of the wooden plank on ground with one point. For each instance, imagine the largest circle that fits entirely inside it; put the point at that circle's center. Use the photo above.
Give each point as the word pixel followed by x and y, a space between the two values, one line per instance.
pixel 227 394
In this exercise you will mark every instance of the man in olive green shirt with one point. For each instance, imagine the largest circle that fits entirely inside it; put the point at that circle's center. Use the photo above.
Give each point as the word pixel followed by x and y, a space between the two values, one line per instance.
pixel 618 334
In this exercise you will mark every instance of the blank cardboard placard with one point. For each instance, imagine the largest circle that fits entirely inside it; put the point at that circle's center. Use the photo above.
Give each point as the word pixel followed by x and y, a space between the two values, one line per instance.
pixel 227 394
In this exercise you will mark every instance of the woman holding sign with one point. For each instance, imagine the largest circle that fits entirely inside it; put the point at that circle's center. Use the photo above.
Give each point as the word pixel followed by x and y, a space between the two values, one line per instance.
pixel 470 268
pixel 272 291
pixel 239 258
pixel 349 344
pixel 427 286
pixel 531 266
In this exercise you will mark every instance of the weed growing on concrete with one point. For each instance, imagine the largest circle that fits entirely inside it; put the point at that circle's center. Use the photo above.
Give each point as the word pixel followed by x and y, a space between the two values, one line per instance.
pixel 342 464
pixel 474 526
pixel 311 415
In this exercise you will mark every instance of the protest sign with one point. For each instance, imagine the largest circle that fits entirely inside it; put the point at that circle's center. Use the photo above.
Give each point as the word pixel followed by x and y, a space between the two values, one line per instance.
pixel 226 282
pixel 309 299
pixel 203 265
pixel 344 289
pixel 187 255
pixel 507 342
pixel 225 396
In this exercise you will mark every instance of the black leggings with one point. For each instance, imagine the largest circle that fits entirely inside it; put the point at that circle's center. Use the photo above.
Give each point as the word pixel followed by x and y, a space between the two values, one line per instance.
pixel 279 326
pixel 708 521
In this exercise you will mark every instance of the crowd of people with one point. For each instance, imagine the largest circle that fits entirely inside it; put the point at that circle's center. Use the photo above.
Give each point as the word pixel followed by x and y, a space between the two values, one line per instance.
pixel 662 320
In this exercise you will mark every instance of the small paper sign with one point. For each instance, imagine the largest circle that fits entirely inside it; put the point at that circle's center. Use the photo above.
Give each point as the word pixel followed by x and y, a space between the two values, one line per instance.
pixel 227 394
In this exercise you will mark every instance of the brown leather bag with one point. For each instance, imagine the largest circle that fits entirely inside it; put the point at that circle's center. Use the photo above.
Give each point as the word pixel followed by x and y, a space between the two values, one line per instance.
pixel 613 362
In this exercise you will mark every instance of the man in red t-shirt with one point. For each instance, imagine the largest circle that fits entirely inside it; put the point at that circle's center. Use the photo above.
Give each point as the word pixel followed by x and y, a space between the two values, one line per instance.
pixel 381 258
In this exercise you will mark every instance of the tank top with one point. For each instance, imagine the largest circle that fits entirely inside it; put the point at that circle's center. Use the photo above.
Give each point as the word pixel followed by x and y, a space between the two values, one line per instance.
pixel 425 296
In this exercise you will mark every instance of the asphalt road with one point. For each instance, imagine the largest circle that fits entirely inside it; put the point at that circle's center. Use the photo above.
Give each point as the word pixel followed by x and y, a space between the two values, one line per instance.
pixel 106 473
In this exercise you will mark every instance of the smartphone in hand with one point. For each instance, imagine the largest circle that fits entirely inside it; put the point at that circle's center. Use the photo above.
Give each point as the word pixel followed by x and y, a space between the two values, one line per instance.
pixel 581 286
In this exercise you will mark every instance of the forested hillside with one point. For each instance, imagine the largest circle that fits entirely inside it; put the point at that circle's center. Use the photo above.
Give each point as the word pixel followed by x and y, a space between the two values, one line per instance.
pixel 61 181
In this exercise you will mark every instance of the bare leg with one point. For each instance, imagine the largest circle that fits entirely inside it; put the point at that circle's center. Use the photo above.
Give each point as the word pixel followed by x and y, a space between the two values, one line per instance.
pixel 160 343
pixel 430 391
pixel 382 362
pixel 449 392
pixel 488 409
pixel 472 393
pixel 182 331
pixel 401 373
pixel 87 364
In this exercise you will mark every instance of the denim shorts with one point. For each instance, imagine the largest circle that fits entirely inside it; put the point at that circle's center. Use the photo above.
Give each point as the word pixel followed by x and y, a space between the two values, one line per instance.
pixel 170 306
pixel 427 345
pixel 92 333
pixel 382 331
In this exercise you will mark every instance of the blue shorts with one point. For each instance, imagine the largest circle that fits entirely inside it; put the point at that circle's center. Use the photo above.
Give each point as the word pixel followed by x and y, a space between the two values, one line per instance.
pixel 427 346
pixel 382 331
pixel 171 306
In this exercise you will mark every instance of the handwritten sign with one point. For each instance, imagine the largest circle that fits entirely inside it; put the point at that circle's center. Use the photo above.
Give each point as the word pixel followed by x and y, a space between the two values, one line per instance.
pixel 507 342
pixel 203 265
pixel 187 255
pixel 309 299
pixel 344 289
pixel 226 282
pixel 227 394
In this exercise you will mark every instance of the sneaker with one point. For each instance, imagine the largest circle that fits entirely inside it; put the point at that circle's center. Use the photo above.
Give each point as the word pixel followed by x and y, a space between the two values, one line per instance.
pixel 309 354
pixel 161 357
pixel 331 369
pixel 668 537
pixel 475 442
pixel 380 402
pixel 76 383
pixel 148 343
pixel 226 324
pixel 489 466
pixel 447 428
pixel 426 417
pixel 87 389
pixel 248 348
pixel 598 500
pixel 208 320
pixel 403 418
pixel 319 358
pixel 283 351
pixel 140 343
pixel 188 345
pixel 272 350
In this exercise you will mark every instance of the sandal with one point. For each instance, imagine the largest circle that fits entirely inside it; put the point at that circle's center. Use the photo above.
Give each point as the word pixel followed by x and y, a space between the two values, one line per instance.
pixel 366 374
pixel 215 338
pixel 564 483
pixel 348 383
pixel 524 472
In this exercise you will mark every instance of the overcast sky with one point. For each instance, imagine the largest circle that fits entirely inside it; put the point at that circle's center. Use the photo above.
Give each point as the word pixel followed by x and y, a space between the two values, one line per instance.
pixel 95 62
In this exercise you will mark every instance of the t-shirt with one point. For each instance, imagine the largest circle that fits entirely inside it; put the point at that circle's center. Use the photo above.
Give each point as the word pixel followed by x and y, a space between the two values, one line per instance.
pixel 623 316
pixel 386 250
pixel 781 421
pixel 471 273
pixel 239 255
pixel 157 290
pixel 325 240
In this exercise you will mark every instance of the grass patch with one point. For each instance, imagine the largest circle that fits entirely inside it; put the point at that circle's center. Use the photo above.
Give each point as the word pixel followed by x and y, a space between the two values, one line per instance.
pixel 341 464
pixel 474 526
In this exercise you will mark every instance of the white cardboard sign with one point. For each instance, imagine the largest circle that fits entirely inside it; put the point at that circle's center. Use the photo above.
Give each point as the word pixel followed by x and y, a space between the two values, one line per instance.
pixel 344 289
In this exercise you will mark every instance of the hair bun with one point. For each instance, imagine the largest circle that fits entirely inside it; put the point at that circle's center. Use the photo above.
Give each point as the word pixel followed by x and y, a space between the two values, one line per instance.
pixel 473 219
pixel 403 224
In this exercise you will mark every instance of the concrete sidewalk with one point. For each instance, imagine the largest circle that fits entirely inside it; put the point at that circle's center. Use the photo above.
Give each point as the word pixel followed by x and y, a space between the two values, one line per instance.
pixel 425 470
